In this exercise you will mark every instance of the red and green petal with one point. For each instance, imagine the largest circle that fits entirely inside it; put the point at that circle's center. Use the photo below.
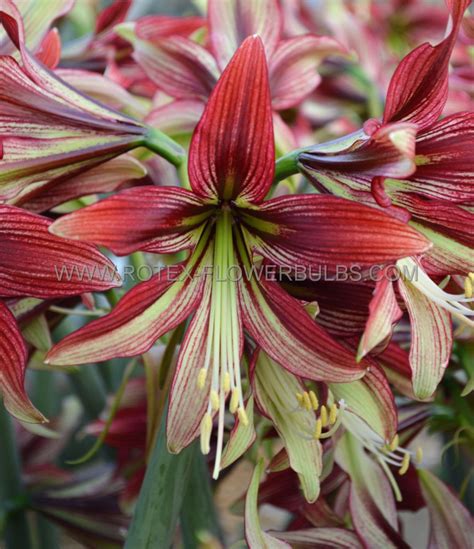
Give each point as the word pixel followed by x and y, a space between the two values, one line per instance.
pixel 156 27
pixel 431 339
pixel 154 219
pixel 293 68
pixel 12 370
pixel 419 87
pixel 314 230
pixel 321 538
pixel 36 263
pixel 232 151
pixel 287 333
pixel 144 314
pixel 232 21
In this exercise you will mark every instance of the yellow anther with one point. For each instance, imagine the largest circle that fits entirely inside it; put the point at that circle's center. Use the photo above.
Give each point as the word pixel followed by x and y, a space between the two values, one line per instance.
pixel 234 401
pixel 226 383
pixel 243 416
pixel 215 400
pixel 201 381
pixel 306 401
pixel 299 398
pixel 395 443
pixel 206 430
pixel 333 414
pixel 323 414
pixel 471 276
pixel 468 287
pixel 319 428
pixel 419 454
pixel 314 400
pixel 405 464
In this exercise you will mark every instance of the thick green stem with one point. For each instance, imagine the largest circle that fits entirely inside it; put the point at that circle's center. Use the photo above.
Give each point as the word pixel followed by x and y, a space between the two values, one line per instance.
pixel 198 516
pixel 12 496
pixel 161 144
pixel 161 496
pixel 287 165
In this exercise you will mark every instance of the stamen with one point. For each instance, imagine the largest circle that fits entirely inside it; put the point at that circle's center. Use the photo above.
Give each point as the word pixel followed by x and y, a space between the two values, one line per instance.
pixel 394 444
pixel 243 416
pixel 468 289
pixel 333 414
pixel 214 400
pixel 299 398
pixel 226 382
pixel 314 400
pixel 419 455
pixel 405 464
pixel 201 381
pixel 306 401
pixel 323 414
pixel 319 428
pixel 206 430
pixel 234 401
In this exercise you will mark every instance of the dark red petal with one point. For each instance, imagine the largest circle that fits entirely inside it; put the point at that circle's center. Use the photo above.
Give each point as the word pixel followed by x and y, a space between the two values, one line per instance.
pixel 232 150
pixel 49 51
pixel 113 14
pixel 36 263
pixel 419 87
pixel 155 219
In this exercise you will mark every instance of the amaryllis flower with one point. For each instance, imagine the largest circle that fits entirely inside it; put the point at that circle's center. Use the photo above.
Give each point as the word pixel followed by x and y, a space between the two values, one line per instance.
pixel 224 221
pixel 51 131
pixel 432 196
pixel 33 263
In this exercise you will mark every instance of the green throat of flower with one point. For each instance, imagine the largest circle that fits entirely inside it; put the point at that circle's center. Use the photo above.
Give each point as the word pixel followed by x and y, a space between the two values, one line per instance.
pixel 222 358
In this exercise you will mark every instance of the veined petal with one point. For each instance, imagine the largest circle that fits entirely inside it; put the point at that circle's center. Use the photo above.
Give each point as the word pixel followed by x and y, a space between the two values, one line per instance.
pixel 419 87
pixel 321 538
pixel 12 370
pixel 275 394
pixel 232 21
pixel 113 14
pixel 371 500
pixel 36 263
pixel 180 67
pixel 156 27
pixel 314 230
pixel 144 314
pixel 444 161
pixel 104 178
pixel 155 219
pixel 178 118
pixel 286 332
pixel 431 339
pixel 451 522
pixel 384 312
pixel 240 438
pixel 293 68
pixel 232 150
pixel 188 403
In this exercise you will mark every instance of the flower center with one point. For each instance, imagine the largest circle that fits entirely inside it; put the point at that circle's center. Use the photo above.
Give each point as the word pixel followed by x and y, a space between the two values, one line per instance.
pixel 222 356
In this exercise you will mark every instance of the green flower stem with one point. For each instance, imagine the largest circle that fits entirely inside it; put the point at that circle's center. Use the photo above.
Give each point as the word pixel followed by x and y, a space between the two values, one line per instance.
pixel 161 497
pixel 161 144
pixel 374 100
pixel 17 532
pixel 46 534
pixel 287 165
pixel 198 516
pixel 89 387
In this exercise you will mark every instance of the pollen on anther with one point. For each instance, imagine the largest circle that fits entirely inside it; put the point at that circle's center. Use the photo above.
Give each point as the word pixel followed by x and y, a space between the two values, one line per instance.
pixel 394 444
pixel 405 464
pixel 468 286
pixel 323 414
pixel 226 383
pixel 319 428
pixel 234 401
pixel 419 455
pixel 243 416
pixel 206 429
pixel 306 401
pixel 314 400
pixel 215 400
pixel 201 380
pixel 333 414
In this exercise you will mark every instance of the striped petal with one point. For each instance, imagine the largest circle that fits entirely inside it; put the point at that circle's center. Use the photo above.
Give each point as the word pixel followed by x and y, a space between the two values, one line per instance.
pixel 154 219
pixel 431 339
pixel 314 230
pixel 419 87
pixel 232 21
pixel 12 370
pixel 293 68
pixel 286 332
pixel 321 538
pixel 144 314
pixel 36 263
pixel 232 150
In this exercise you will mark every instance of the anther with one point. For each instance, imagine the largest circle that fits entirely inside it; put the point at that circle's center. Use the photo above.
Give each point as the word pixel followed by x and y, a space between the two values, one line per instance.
pixel 319 428
pixel 201 380
pixel 234 401
pixel 314 400
pixel 333 414
pixel 468 286
pixel 226 383
pixel 419 455
pixel 299 398
pixel 243 416
pixel 215 400
pixel 395 443
pixel 306 401
pixel 323 414
pixel 405 464
pixel 206 430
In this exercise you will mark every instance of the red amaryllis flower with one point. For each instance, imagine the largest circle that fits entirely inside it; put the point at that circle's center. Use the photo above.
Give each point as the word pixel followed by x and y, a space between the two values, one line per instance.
pixel 50 130
pixel 434 197
pixel 33 262
pixel 223 220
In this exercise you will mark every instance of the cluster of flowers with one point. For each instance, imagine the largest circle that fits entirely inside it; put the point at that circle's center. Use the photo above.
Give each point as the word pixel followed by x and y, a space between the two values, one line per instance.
pixel 243 141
